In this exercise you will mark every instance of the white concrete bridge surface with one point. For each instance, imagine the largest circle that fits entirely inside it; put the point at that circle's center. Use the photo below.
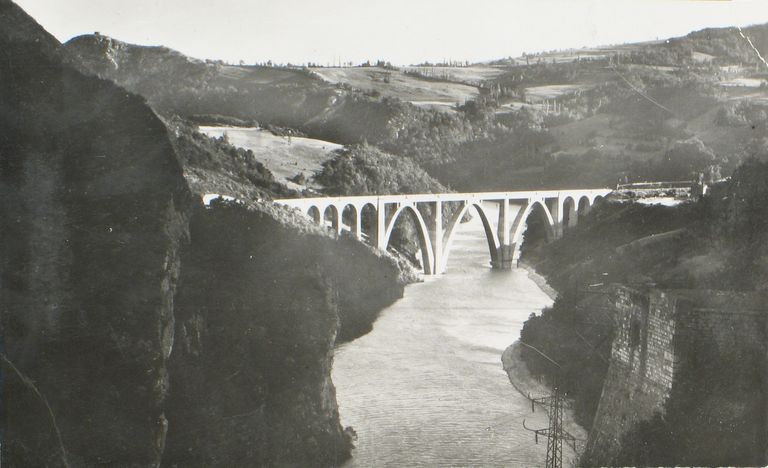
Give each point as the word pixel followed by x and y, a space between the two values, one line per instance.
pixel 373 218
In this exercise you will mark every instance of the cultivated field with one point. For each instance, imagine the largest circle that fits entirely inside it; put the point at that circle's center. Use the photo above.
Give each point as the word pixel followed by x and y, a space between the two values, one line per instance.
pixel 394 83
pixel 473 75
pixel 285 157
pixel 540 93
pixel 264 75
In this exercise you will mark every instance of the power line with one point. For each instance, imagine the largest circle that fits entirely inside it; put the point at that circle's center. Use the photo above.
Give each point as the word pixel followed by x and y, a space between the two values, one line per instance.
pixel 554 432
pixel 653 101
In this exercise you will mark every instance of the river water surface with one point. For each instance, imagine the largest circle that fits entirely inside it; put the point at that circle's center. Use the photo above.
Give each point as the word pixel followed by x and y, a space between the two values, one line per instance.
pixel 426 386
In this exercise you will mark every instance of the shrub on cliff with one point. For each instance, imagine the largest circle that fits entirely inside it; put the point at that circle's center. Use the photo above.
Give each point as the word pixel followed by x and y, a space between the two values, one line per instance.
pixel 577 336
pixel 214 166
pixel 365 170
pixel 739 226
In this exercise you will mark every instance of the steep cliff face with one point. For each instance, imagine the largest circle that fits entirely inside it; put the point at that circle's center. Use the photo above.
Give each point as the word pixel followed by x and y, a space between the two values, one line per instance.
pixel 257 315
pixel 96 331
pixel 94 209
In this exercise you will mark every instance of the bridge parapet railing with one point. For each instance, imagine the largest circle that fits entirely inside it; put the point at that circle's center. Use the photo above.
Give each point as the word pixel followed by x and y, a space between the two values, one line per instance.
pixel 657 185
pixel 449 197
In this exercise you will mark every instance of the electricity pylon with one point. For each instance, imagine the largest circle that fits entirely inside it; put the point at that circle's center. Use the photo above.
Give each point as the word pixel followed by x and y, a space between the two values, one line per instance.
pixel 555 433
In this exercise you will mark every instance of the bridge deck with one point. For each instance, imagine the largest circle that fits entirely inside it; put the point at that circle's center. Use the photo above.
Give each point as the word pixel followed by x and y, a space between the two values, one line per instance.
pixel 448 197
pixel 559 208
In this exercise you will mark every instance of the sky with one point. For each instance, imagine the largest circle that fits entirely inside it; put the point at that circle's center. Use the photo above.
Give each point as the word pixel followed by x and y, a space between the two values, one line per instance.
pixel 400 31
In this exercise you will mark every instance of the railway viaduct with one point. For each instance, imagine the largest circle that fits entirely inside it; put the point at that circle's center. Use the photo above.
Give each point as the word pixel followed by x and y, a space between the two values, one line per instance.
pixel 558 209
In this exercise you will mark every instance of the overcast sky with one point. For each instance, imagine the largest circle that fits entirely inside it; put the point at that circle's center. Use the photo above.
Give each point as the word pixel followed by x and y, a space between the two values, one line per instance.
pixel 401 31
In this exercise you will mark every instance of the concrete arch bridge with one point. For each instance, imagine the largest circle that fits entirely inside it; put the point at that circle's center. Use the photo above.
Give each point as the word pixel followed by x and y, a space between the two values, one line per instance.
pixel 558 209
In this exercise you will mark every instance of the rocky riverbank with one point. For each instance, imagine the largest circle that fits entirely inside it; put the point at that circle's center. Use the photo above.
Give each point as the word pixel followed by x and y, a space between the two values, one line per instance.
pixel 532 387
pixel 539 279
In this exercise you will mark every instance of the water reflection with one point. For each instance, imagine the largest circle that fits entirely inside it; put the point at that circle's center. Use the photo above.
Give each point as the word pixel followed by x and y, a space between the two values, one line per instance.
pixel 426 387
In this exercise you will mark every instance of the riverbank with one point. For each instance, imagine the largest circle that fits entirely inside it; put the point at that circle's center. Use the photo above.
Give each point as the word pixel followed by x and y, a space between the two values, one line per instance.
pixel 540 280
pixel 531 387
pixel 521 378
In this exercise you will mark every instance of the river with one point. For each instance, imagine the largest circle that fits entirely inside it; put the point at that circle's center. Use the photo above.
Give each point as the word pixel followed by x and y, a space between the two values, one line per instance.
pixel 426 386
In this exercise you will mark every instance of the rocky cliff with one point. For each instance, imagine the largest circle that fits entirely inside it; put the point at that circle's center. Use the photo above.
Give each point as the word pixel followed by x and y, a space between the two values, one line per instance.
pixel 95 210
pixel 137 324
pixel 257 315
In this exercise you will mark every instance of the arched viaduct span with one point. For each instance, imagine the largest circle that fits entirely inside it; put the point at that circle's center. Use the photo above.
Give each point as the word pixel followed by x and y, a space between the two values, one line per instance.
pixel 559 209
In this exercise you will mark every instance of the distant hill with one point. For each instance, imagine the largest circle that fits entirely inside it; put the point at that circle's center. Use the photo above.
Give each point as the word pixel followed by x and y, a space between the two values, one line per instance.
pixel 565 118
pixel 176 84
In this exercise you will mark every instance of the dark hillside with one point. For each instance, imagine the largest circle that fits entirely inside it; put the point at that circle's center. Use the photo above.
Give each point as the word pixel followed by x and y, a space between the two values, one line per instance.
pixel 96 210
pixel 259 306
pixel 105 249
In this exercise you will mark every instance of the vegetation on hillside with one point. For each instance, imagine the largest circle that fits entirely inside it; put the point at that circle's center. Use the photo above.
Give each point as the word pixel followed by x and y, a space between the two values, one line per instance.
pixel 212 163
pixel 364 170
pixel 624 112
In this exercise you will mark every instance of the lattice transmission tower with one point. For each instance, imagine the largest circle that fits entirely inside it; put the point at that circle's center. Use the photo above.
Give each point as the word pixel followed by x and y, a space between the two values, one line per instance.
pixel 555 433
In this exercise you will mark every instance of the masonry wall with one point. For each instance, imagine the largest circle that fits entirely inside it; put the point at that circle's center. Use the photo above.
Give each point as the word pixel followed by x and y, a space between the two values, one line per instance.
pixel 717 409
pixel 695 358
pixel 641 371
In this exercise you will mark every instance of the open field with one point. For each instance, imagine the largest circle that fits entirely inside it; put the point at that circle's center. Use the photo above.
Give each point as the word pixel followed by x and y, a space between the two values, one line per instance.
pixel 573 55
pixel 473 75
pixel 742 82
pixel 393 83
pixel 540 93
pixel 263 75
pixel 283 156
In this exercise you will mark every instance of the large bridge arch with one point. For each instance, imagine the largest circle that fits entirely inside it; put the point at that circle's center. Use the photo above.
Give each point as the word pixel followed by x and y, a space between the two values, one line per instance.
pixel 490 234
pixel 427 255
pixel 372 218
pixel 536 206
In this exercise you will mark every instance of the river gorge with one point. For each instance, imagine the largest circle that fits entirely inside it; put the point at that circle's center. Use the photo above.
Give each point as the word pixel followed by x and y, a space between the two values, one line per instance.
pixel 426 386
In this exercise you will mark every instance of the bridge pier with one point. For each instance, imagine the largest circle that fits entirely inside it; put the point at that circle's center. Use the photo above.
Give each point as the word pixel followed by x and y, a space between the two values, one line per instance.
pixel 357 228
pixel 505 258
pixel 436 237
pixel 505 250
pixel 381 225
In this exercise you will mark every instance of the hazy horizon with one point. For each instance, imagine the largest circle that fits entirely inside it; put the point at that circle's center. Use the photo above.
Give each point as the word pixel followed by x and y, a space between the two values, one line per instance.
pixel 301 31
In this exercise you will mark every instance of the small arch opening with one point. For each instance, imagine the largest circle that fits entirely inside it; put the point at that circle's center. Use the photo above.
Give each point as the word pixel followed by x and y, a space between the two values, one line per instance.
pixel 599 201
pixel 584 207
pixel 314 214
pixel 331 217
pixel 569 213
pixel 349 218
pixel 368 223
